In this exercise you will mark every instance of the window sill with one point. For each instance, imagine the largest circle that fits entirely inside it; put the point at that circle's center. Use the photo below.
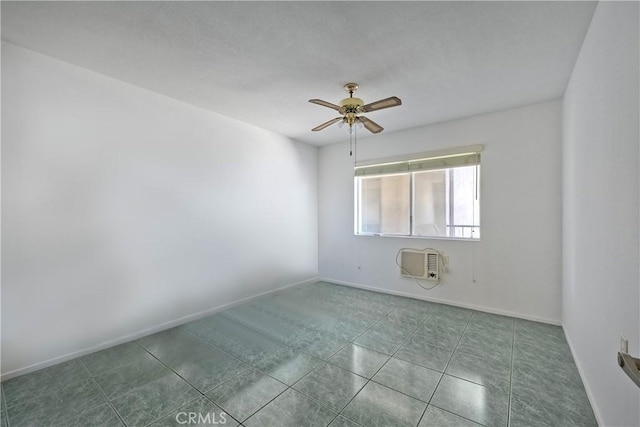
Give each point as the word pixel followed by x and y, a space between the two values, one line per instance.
pixel 401 236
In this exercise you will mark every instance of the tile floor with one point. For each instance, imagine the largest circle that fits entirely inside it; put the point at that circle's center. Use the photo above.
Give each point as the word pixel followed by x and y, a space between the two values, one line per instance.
pixel 317 355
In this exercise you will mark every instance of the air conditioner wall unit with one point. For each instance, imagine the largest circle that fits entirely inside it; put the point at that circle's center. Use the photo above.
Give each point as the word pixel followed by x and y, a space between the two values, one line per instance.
pixel 420 264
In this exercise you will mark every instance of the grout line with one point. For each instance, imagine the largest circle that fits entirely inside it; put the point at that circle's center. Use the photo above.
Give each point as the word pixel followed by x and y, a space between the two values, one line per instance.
pixel 325 362
pixel 352 342
pixel 513 348
pixel 4 405
pixel 181 377
pixel 107 399
pixel 387 361
pixel 189 403
pixel 113 408
pixel 260 370
pixel 260 408
pixel 457 415
pixel 109 402
pixel 92 379
pixel 447 365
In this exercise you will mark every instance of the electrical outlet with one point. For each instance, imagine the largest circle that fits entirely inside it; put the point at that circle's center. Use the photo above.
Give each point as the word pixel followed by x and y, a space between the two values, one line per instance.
pixel 624 344
pixel 446 261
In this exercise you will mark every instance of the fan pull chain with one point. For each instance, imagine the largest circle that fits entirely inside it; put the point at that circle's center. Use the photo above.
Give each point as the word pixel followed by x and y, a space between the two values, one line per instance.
pixel 355 143
pixel 350 141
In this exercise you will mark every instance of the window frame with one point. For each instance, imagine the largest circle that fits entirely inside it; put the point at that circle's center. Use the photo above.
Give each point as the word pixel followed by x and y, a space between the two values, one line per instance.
pixel 381 163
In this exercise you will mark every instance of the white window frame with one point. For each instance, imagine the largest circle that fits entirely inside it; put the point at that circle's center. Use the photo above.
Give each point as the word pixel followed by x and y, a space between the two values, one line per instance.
pixel 433 160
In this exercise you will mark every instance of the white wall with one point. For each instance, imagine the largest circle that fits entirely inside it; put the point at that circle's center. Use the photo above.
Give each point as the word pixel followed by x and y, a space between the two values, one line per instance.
pixel 517 263
pixel 124 209
pixel 601 211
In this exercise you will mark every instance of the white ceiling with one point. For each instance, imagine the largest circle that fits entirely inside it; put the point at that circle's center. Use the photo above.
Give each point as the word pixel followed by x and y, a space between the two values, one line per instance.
pixel 260 62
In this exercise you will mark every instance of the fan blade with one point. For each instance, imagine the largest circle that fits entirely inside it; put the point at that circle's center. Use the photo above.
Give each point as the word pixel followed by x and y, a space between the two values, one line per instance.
pixel 327 124
pixel 393 101
pixel 325 104
pixel 371 126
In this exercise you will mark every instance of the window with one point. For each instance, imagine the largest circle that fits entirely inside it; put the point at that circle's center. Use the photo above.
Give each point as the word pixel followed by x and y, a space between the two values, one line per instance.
pixel 429 196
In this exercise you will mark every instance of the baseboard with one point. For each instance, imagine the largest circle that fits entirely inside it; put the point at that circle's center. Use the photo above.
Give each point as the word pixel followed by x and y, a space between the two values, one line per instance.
pixel 444 301
pixel 139 334
pixel 590 396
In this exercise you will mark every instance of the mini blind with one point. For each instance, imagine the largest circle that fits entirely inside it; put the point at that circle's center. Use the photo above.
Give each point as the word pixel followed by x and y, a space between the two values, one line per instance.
pixel 469 156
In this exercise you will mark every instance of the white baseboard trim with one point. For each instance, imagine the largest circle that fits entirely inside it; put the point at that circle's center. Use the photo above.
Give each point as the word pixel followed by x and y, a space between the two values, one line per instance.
pixel 444 301
pixel 590 396
pixel 139 334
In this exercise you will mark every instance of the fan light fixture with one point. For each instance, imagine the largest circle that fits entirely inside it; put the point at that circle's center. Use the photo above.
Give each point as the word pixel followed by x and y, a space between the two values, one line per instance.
pixel 350 108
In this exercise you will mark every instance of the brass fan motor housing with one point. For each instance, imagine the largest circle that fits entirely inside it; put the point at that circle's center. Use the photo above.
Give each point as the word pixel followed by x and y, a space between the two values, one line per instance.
pixel 351 106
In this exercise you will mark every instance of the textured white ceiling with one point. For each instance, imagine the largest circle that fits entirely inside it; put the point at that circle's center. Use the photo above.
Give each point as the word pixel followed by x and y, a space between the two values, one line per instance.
pixel 260 62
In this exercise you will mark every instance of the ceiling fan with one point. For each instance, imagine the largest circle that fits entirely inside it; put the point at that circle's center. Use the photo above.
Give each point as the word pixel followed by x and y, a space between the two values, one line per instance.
pixel 351 107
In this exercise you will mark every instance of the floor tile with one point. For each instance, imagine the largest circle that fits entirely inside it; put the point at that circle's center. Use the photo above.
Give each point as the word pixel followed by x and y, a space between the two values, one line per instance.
pixel 154 400
pixel 322 345
pixel 377 405
pixel 381 339
pixel 481 343
pixel 418 350
pixel 288 366
pixel 452 316
pixel 201 412
pixel 408 378
pixel 499 332
pixel 3 414
pixel 414 307
pixel 57 407
pixel 208 369
pixel 172 345
pixel 116 382
pixel 484 405
pixel 455 323
pixel 292 408
pixel 539 332
pixel 408 318
pixel 31 386
pixel 251 347
pixel 359 360
pixel 115 357
pixel 483 370
pixel 102 416
pixel 344 330
pixel 240 341
pixel 549 392
pixel 240 360
pixel 331 386
pixel 542 411
pixel 436 417
pixel 341 421
pixel 269 324
pixel 493 321
pixel 243 395
pixel 441 335
pixel 533 375
pixel 542 351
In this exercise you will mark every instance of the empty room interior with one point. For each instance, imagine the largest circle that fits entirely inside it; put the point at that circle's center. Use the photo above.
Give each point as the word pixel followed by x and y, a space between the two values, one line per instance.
pixel 320 213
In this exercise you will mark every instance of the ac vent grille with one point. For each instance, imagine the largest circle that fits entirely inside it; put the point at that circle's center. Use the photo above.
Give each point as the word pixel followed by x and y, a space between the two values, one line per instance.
pixel 417 264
